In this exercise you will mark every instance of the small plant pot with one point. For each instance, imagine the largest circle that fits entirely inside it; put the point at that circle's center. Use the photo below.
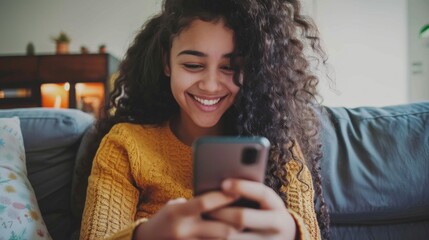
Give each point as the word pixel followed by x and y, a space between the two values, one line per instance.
pixel 102 50
pixel 84 50
pixel 62 48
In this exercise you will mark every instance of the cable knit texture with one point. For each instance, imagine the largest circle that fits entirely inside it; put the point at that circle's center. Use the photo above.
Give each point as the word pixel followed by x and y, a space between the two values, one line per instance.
pixel 138 169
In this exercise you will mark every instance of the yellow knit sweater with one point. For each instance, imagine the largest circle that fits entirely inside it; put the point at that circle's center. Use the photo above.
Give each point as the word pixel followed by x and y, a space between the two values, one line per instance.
pixel 137 169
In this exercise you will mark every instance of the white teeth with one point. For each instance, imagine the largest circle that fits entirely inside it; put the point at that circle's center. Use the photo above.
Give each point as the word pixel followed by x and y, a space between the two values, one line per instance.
pixel 207 102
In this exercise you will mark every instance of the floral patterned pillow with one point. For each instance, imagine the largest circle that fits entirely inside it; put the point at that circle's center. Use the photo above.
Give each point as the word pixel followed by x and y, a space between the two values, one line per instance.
pixel 20 217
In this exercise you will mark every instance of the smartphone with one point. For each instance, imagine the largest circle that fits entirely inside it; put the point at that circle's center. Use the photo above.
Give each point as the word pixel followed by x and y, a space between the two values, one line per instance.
pixel 218 158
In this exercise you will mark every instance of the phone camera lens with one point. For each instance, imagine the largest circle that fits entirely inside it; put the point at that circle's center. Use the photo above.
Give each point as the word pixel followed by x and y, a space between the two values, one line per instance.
pixel 249 155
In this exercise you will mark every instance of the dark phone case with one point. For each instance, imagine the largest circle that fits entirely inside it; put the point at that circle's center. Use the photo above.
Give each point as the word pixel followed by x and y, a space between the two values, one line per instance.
pixel 218 158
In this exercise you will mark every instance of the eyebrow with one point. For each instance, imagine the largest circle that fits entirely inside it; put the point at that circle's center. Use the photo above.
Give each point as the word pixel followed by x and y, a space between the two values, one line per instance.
pixel 201 54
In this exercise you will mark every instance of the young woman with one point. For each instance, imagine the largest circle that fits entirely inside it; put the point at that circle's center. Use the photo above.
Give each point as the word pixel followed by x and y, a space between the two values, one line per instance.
pixel 210 67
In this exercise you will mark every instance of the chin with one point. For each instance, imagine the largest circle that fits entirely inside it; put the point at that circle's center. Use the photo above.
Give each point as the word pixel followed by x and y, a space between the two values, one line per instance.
pixel 206 124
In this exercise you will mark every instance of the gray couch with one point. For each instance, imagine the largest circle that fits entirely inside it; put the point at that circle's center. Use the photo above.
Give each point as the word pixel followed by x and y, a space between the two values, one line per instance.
pixel 52 138
pixel 376 171
pixel 375 166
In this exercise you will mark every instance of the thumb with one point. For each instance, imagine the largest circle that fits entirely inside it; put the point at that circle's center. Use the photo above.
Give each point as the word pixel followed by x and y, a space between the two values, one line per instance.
pixel 176 201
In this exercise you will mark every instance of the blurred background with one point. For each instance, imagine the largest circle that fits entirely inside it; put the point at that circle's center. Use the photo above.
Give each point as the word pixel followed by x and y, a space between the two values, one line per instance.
pixel 375 54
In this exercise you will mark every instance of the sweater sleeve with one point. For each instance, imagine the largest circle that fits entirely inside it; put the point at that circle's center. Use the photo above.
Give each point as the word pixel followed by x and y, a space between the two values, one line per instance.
pixel 300 202
pixel 112 198
pixel 300 199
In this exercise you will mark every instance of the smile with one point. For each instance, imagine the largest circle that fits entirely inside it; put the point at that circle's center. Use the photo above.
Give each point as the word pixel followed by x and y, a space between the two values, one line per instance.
pixel 207 102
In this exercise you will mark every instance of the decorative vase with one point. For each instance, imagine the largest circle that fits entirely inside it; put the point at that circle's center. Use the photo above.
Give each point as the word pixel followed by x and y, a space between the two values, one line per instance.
pixel 30 49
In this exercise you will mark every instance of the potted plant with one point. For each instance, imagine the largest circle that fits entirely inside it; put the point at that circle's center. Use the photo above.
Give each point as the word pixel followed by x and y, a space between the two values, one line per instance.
pixel 62 43
pixel 84 50
pixel 102 48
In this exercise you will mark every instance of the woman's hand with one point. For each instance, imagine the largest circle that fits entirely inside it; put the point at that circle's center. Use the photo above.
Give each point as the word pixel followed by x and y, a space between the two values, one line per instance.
pixel 271 221
pixel 181 219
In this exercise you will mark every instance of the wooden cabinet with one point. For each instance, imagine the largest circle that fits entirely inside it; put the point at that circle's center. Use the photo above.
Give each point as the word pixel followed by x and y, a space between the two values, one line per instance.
pixel 23 79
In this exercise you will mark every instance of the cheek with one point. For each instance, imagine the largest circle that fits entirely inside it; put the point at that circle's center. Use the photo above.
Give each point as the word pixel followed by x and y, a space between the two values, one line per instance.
pixel 180 83
pixel 233 88
pixel 176 89
pixel 240 81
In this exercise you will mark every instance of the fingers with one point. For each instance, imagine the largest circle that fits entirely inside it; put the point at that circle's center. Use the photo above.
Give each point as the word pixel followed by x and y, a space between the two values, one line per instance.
pixel 249 235
pixel 272 217
pixel 169 224
pixel 214 229
pixel 206 202
pixel 176 201
pixel 181 219
pixel 201 229
pixel 246 218
pixel 265 196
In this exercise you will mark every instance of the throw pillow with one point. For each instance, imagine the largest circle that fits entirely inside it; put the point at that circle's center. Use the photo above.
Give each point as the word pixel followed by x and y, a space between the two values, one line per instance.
pixel 20 217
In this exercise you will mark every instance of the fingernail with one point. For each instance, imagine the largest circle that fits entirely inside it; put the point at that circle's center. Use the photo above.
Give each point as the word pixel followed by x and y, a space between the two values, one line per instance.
pixel 226 184
pixel 175 201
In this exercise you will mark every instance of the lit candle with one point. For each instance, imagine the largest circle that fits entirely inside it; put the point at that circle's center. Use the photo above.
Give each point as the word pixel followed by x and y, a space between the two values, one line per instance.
pixel 57 103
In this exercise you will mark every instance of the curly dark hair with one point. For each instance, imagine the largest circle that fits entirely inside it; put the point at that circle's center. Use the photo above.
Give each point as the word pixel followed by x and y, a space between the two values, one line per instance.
pixel 277 97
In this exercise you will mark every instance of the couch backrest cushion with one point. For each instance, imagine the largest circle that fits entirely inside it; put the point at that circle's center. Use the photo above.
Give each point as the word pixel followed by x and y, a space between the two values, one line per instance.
pixel 376 163
pixel 51 139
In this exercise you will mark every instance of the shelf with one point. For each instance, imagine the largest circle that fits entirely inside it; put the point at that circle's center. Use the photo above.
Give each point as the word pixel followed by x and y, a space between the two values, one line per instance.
pixel 77 74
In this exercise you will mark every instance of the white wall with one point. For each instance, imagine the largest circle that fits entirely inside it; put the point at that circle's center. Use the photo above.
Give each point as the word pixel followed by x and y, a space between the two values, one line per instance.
pixel 366 40
pixel 88 22
pixel 418 11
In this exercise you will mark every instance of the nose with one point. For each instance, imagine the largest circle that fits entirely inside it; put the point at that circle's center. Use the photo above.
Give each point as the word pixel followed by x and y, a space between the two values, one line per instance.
pixel 211 81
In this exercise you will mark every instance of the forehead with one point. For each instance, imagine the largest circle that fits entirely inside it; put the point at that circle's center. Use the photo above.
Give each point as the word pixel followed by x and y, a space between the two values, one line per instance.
pixel 205 36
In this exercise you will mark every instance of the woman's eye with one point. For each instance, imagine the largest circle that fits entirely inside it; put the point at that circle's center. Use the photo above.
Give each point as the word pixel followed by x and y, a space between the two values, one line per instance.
pixel 227 68
pixel 193 66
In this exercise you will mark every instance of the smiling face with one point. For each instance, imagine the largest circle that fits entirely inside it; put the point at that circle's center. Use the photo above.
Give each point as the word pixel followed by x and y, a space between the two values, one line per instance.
pixel 201 75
